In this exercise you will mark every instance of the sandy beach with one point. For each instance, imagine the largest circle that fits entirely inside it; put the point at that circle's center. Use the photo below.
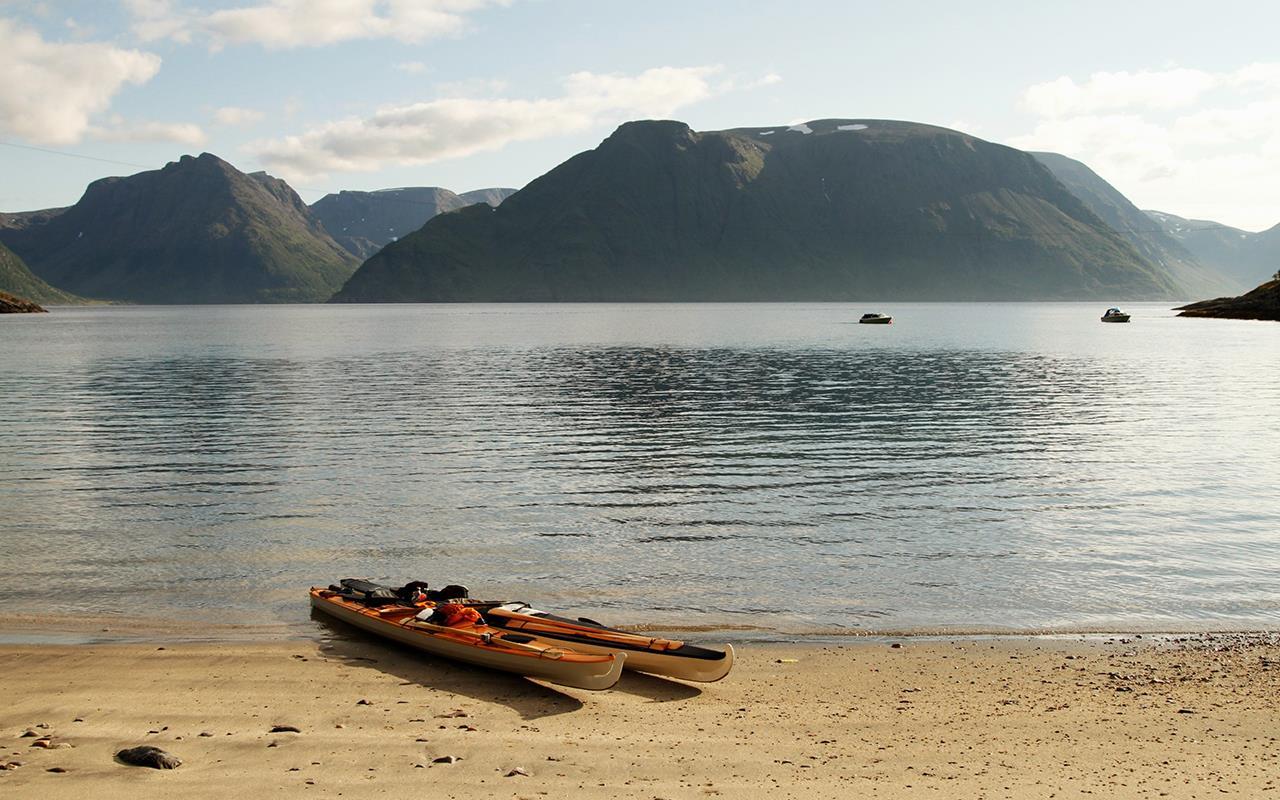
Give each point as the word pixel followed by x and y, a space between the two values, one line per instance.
pixel 979 718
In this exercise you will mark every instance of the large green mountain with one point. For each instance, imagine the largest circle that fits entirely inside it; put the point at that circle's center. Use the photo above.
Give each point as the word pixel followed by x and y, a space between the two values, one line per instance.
pixel 17 279
pixel 1147 237
pixel 1245 256
pixel 828 210
pixel 363 222
pixel 196 231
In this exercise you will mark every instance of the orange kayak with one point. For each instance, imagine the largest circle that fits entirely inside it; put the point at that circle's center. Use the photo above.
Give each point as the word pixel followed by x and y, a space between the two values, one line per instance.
pixel 659 656
pixel 476 643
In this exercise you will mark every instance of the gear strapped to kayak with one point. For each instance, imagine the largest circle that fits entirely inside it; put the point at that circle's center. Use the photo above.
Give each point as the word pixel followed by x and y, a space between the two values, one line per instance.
pixel 519 624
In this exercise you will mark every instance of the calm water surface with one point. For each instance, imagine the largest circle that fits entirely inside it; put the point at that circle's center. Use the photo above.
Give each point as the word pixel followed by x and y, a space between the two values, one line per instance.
pixel 977 467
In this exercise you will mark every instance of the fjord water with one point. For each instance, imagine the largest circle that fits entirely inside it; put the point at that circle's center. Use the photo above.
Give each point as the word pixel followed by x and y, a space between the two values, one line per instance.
pixel 977 467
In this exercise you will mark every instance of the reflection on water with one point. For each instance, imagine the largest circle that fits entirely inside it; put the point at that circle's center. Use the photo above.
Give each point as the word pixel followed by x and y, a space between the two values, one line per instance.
pixel 738 465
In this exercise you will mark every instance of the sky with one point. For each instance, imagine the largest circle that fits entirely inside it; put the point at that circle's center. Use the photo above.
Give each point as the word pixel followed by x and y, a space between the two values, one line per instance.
pixel 1176 104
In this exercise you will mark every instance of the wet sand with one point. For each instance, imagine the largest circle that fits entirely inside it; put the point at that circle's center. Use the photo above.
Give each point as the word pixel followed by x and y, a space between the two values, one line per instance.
pixel 1016 718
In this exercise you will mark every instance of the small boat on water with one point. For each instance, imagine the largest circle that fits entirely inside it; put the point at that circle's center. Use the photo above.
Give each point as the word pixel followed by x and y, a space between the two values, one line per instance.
pixel 669 657
pixel 876 319
pixel 1114 315
pixel 442 628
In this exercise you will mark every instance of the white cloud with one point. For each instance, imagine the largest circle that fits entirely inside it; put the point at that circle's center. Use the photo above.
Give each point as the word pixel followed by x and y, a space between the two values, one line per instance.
pixel 1110 91
pixel 771 79
pixel 455 127
pixel 280 24
pixel 121 131
pixel 233 116
pixel 412 67
pixel 50 90
pixel 157 19
pixel 1193 143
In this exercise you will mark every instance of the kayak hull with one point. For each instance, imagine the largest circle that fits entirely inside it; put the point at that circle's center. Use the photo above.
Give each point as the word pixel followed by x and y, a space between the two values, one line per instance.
pixel 553 662
pixel 643 653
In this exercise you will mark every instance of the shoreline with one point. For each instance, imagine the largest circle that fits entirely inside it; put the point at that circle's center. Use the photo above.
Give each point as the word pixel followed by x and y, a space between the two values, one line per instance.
pixel 1016 717
pixel 63 629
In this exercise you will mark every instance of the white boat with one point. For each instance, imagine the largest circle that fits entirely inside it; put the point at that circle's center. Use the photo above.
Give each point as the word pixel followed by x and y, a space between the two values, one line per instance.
pixel 876 319
pixel 1114 315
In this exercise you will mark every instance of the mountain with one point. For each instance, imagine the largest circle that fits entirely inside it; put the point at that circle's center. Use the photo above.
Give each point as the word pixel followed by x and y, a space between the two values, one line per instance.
pixel 1149 239
pixel 1261 303
pixel 827 210
pixel 196 231
pixel 363 222
pixel 1247 257
pixel 493 197
pixel 17 279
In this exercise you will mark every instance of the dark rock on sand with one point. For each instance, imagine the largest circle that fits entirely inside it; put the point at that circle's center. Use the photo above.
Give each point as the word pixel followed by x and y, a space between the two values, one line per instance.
pixel 285 729
pixel 148 756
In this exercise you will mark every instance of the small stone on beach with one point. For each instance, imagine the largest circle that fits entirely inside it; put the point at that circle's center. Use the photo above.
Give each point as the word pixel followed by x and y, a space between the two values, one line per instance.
pixel 148 756
pixel 446 760
pixel 285 729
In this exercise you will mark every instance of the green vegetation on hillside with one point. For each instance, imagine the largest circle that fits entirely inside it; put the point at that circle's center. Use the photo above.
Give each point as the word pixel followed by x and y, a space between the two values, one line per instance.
pixel 196 231
pixel 17 279
pixel 1145 234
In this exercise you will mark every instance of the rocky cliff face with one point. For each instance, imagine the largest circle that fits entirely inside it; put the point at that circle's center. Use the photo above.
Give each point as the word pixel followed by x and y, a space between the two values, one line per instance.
pixel 196 231
pixel 364 222
pixel 9 304
pixel 1262 303
pixel 829 210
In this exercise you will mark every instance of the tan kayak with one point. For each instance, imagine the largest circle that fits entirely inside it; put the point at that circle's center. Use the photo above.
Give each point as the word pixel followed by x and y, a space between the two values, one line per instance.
pixel 668 657
pixel 477 643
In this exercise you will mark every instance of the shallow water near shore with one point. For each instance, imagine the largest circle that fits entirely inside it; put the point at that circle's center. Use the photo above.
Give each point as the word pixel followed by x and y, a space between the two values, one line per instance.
pixel 775 469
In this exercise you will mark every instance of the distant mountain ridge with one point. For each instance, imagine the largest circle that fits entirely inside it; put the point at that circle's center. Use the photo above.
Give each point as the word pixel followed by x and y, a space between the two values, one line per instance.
pixel 1247 257
pixel 826 210
pixel 196 231
pixel 364 222
pixel 1150 240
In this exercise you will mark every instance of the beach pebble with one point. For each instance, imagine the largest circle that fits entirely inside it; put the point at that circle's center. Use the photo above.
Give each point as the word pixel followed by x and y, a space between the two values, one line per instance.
pixel 148 756
pixel 457 712
pixel 43 742
pixel 446 760
pixel 206 733
pixel 285 729
pixel 56 769
pixel 517 771
pixel 363 702
pixel 29 734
